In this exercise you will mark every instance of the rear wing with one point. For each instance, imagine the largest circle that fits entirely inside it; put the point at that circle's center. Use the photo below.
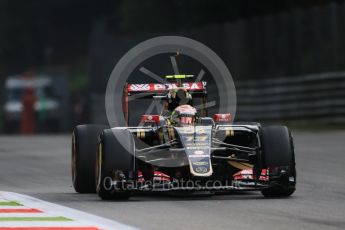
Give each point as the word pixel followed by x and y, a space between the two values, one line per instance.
pixel 147 91
pixel 159 88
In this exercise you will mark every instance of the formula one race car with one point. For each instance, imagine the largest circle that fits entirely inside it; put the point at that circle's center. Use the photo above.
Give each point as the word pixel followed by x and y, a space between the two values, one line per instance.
pixel 181 149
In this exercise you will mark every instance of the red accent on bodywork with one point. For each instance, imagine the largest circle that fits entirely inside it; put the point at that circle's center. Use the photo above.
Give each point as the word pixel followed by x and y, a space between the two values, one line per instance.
pixel 222 117
pixel 150 119
pixel 247 174
pixel 125 104
pixel 158 176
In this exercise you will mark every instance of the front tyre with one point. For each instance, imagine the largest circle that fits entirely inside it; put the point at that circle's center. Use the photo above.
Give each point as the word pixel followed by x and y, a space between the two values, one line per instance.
pixel 114 163
pixel 278 157
pixel 84 146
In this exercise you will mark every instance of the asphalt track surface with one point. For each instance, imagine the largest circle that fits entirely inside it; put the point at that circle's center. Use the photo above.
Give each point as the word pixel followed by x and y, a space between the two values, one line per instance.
pixel 39 166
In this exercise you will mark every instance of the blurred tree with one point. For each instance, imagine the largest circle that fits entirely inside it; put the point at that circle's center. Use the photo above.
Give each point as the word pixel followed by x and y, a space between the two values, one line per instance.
pixel 32 32
pixel 138 15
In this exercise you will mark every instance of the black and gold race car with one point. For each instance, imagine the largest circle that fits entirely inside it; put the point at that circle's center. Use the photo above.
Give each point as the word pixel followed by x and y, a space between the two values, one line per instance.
pixel 181 149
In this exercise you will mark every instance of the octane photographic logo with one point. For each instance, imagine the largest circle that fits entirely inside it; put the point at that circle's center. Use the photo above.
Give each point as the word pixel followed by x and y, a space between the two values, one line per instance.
pixel 134 58
pixel 183 185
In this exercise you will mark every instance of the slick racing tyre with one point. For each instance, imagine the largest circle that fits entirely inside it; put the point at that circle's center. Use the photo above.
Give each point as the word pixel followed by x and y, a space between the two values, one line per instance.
pixel 84 146
pixel 279 158
pixel 115 161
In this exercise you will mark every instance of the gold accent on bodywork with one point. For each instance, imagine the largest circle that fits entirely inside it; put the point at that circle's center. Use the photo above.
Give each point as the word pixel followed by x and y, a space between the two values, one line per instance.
pixel 161 135
pixel 141 133
pixel 200 174
pixel 171 132
pixel 168 122
pixel 240 165
pixel 229 132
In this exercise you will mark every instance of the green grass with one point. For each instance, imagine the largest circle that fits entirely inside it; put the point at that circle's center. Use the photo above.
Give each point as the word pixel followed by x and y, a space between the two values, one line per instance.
pixel 9 203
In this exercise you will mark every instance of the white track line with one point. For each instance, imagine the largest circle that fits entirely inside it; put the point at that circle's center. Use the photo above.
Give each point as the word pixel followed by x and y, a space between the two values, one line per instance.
pixel 39 214
pixel 14 207
pixel 59 224
pixel 80 218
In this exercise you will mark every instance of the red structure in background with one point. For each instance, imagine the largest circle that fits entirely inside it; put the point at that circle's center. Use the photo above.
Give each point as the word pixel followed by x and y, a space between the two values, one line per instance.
pixel 28 120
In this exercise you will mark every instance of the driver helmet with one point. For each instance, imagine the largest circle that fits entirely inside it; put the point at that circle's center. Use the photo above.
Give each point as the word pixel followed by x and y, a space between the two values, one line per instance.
pixel 184 115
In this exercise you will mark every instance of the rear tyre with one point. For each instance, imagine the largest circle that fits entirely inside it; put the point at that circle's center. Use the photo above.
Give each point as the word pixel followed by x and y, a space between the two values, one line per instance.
pixel 279 157
pixel 115 162
pixel 84 146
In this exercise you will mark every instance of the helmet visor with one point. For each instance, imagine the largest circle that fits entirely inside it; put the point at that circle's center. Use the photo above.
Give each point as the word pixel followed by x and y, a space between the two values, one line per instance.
pixel 186 120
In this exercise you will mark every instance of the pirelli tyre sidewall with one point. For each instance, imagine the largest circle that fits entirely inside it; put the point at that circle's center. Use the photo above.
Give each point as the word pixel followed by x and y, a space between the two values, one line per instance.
pixel 84 146
pixel 278 153
pixel 113 160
